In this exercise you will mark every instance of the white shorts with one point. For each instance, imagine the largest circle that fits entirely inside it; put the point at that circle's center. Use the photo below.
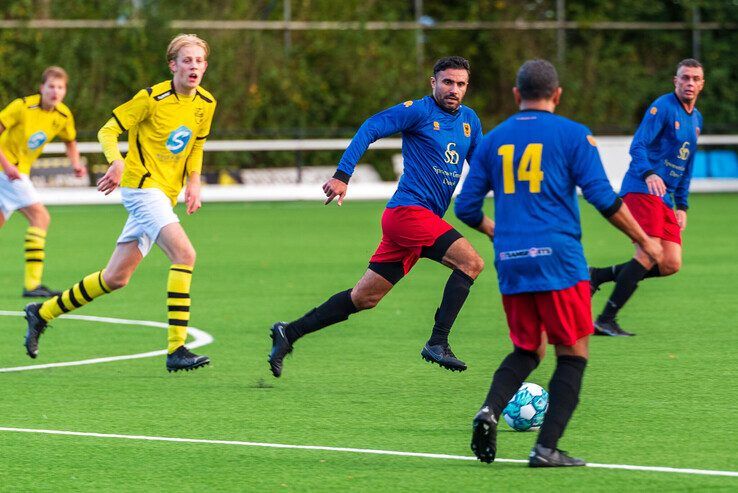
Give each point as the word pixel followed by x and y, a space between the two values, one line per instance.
pixel 16 194
pixel 149 210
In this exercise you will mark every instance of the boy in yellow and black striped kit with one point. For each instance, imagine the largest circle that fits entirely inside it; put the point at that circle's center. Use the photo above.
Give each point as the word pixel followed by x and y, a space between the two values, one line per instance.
pixel 167 126
pixel 26 126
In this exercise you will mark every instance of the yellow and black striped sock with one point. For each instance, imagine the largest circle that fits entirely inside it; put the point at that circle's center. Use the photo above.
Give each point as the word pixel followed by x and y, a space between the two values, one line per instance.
pixel 78 295
pixel 35 243
pixel 178 304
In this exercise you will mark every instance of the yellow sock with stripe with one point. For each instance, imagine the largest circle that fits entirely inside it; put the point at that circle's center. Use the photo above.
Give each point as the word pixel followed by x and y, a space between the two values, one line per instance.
pixel 78 295
pixel 178 304
pixel 35 244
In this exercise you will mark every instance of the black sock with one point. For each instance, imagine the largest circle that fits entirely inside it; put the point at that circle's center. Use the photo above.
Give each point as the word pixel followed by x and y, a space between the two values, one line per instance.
pixel 454 296
pixel 625 286
pixel 336 309
pixel 508 378
pixel 563 397
pixel 601 275
pixel 654 272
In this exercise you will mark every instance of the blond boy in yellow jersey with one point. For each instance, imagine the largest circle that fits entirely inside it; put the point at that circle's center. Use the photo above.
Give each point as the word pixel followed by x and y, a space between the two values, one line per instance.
pixel 167 126
pixel 26 126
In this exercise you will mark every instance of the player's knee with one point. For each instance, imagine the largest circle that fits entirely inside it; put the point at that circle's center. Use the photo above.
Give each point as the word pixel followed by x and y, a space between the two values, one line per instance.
pixel 473 266
pixel 670 266
pixel 187 256
pixel 116 280
pixel 41 218
pixel 366 301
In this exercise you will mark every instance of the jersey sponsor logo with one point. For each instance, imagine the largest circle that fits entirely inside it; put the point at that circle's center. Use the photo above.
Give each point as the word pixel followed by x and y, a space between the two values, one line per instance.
pixel 676 124
pixel 179 139
pixel 408 104
pixel 36 140
pixel 467 130
pixel 452 157
pixel 436 126
pixel 684 151
pixel 592 140
pixel 532 252
pixel 654 110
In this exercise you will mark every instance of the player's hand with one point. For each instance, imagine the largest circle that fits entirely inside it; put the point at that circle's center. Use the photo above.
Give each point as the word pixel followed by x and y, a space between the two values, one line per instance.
pixel 111 180
pixel 487 226
pixel 12 173
pixel 334 188
pixel 653 249
pixel 79 170
pixel 192 194
pixel 681 217
pixel 655 185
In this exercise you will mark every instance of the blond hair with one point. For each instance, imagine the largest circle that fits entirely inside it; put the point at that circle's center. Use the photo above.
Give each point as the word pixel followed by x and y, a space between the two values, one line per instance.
pixel 182 40
pixel 54 72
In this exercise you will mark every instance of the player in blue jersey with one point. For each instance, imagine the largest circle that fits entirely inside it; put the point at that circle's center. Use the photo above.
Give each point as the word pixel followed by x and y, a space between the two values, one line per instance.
pixel 438 134
pixel 533 163
pixel 662 153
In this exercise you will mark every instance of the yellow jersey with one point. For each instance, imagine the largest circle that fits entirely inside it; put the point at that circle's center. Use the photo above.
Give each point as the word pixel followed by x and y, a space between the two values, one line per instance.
pixel 166 134
pixel 28 128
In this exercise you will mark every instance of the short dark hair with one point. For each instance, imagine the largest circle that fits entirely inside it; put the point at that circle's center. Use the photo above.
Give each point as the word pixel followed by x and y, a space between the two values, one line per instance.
pixel 536 80
pixel 689 62
pixel 448 62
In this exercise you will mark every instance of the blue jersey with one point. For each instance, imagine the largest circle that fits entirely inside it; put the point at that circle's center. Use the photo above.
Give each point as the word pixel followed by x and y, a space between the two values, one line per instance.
pixel 435 144
pixel 533 163
pixel 665 143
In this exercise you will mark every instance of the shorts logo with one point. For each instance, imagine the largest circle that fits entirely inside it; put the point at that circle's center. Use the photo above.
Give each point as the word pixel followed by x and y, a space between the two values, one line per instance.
pixel 36 140
pixel 676 125
pixel 654 110
pixel 408 104
pixel 436 126
pixel 684 152
pixel 179 139
pixel 452 157
pixel 467 130
pixel 532 252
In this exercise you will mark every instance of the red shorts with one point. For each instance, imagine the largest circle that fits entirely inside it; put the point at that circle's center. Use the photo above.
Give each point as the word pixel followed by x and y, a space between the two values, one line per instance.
pixel 654 216
pixel 565 315
pixel 405 231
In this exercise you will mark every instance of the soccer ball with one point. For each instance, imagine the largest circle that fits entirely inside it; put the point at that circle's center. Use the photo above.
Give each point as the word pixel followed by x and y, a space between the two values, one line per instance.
pixel 526 409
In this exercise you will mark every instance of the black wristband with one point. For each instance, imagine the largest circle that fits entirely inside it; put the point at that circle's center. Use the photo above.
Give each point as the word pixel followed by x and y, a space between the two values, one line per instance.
pixel 648 173
pixel 342 176
pixel 682 207
pixel 613 208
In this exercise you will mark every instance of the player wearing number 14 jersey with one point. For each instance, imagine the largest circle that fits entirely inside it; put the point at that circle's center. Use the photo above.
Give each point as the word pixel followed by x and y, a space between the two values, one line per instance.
pixel 533 162
pixel 438 134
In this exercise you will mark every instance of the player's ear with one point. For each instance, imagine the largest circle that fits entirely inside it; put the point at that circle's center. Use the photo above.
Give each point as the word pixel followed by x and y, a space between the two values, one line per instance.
pixel 173 65
pixel 557 95
pixel 516 95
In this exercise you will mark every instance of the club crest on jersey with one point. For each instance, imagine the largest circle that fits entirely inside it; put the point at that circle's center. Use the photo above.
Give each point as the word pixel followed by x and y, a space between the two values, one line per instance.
pixel 199 115
pixel 654 110
pixel 676 124
pixel 467 130
pixel 684 152
pixel 436 126
pixel 408 104
pixel 36 140
pixel 179 139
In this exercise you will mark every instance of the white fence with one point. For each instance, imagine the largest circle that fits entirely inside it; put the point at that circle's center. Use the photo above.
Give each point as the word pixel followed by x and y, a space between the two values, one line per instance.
pixel 613 150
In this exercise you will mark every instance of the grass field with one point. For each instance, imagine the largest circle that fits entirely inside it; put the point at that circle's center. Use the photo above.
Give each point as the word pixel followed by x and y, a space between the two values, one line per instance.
pixel 667 397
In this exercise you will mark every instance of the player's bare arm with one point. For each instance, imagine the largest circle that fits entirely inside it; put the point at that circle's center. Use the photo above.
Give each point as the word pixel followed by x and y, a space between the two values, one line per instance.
pixel 192 193
pixel 111 180
pixel 487 226
pixel 73 155
pixel 624 221
pixel 10 170
pixel 334 188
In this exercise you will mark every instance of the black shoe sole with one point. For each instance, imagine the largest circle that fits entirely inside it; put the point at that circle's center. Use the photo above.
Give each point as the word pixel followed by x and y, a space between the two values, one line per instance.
pixel 481 440
pixel 538 463
pixel 598 332
pixel 188 368
pixel 430 359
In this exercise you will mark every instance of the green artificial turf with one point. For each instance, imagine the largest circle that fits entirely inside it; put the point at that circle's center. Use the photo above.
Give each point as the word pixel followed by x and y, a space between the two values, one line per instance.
pixel 664 398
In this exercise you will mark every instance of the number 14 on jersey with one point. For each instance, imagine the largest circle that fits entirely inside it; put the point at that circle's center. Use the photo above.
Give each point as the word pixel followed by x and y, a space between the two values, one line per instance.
pixel 529 168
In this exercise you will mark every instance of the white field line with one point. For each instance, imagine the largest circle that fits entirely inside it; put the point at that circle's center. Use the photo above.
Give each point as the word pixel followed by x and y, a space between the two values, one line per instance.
pixel 674 470
pixel 201 338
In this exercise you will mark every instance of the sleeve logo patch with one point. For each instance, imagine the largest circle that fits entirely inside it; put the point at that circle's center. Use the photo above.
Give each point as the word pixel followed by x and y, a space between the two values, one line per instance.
pixel 676 124
pixel 654 110
pixel 591 140
pixel 467 130
pixel 436 126
pixel 407 104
